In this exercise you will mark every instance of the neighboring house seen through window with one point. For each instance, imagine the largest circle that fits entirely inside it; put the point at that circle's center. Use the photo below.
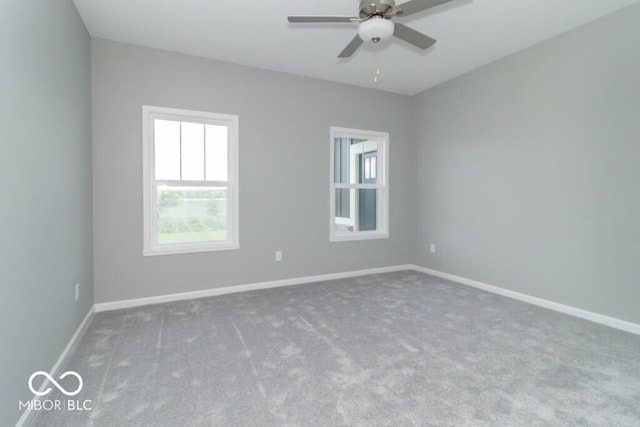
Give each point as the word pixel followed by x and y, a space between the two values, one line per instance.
pixel 358 189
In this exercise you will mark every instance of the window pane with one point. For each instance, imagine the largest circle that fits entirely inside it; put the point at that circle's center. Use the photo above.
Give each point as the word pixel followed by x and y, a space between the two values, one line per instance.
pixel 216 157
pixel 342 203
pixel 367 209
pixel 374 170
pixel 191 214
pixel 341 160
pixel 167 149
pixel 361 207
pixel 192 151
pixel 363 153
pixel 354 160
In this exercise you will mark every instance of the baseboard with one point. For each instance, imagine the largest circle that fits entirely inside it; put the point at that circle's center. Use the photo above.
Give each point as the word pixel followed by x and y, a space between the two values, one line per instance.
pixel 116 305
pixel 61 360
pixel 562 308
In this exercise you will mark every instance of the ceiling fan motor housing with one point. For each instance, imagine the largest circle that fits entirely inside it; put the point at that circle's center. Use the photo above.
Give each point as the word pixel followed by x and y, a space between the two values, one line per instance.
pixel 369 8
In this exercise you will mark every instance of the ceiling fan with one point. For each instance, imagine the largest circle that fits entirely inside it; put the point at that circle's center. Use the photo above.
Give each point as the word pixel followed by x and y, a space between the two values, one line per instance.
pixel 375 23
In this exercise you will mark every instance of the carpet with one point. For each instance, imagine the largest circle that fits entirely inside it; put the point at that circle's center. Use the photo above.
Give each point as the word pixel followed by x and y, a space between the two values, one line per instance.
pixel 401 348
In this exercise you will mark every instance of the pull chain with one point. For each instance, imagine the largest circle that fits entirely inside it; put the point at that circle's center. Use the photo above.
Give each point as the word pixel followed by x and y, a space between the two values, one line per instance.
pixel 376 76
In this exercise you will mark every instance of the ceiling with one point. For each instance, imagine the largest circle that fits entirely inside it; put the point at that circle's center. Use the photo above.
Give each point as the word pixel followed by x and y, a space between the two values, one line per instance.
pixel 470 33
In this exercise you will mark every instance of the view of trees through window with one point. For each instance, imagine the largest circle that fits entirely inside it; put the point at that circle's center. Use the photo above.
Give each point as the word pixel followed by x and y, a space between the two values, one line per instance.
pixel 191 214
pixel 196 153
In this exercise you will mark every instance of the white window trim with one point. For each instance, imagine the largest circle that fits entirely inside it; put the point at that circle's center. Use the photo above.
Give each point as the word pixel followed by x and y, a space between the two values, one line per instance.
pixel 382 171
pixel 151 247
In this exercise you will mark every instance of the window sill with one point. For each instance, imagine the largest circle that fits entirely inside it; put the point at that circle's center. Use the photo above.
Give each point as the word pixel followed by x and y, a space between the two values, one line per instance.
pixel 190 248
pixel 358 236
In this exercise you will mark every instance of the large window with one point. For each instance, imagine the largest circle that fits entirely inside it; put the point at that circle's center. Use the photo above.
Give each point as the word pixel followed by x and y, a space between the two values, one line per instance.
pixel 359 200
pixel 190 178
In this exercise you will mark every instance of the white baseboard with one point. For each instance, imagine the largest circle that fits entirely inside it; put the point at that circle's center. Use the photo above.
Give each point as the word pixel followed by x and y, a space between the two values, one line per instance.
pixel 60 362
pixel 573 311
pixel 562 308
pixel 116 305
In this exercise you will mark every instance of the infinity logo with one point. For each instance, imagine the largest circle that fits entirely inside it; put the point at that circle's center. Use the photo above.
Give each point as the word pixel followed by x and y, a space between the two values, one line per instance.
pixel 58 386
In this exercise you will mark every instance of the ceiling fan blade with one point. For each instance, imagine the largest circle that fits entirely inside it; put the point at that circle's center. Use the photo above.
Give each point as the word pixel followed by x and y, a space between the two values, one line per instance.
pixel 415 6
pixel 320 18
pixel 351 47
pixel 412 36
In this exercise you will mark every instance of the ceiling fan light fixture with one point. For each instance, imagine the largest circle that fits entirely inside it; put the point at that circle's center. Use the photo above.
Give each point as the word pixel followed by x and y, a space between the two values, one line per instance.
pixel 375 23
pixel 376 29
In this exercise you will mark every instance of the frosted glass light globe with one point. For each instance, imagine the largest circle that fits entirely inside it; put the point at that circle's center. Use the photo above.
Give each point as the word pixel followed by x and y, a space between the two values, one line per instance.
pixel 375 30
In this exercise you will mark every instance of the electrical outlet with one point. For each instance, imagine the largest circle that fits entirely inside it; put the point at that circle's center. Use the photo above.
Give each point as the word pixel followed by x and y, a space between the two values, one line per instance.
pixel 278 256
pixel 432 248
pixel 77 291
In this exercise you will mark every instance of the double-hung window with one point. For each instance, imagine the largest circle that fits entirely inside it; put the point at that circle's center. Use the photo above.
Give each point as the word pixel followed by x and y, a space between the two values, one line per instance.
pixel 359 197
pixel 190 174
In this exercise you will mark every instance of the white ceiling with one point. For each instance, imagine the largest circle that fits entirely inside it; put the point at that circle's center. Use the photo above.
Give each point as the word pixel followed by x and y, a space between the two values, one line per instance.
pixel 470 33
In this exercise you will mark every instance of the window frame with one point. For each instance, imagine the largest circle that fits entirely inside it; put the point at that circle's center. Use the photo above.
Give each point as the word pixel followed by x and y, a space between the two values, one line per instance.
pixel 151 247
pixel 382 173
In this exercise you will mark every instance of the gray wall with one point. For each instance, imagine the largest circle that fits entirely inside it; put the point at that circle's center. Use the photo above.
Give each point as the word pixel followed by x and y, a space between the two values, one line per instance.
pixel 284 171
pixel 528 170
pixel 45 171
pixel 526 175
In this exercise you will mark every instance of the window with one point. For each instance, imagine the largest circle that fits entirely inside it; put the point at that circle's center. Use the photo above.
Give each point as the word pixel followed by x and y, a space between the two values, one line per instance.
pixel 190 166
pixel 359 200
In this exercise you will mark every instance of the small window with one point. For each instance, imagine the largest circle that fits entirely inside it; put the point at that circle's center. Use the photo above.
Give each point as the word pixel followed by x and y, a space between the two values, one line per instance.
pixel 359 200
pixel 190 181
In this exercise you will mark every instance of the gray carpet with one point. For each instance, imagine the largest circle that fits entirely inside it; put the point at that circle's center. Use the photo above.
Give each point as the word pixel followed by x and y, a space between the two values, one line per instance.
pixel 391 349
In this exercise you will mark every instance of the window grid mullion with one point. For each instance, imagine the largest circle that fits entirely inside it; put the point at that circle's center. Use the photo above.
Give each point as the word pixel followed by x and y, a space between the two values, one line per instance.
pixel 173 183
pixel 180 151
pixel 337 185
pixel 204 145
